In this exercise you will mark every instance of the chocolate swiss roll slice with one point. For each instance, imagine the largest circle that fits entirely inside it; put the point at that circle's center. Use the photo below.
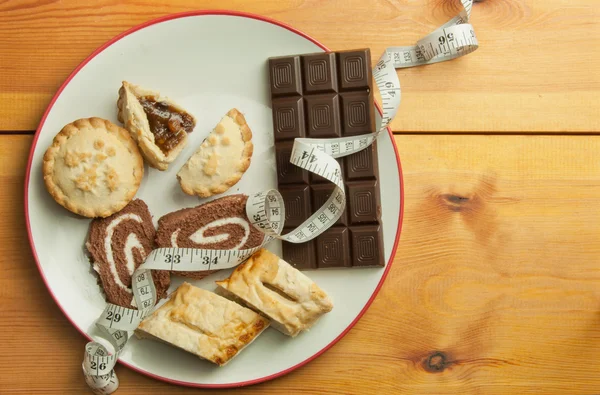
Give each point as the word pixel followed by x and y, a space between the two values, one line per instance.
pixel 118 245
pixel 220 224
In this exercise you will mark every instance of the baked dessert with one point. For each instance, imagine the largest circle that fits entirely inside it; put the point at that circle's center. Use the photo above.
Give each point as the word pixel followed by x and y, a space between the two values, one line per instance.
pixel 117 246
pixel 204 324
pixel 93 167
pixel 221 159
pixel 272 287
pixel 220 224
pixel 157 124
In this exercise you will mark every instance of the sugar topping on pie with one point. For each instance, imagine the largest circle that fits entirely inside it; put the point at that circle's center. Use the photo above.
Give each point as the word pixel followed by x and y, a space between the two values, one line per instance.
pixel 221 159
pixel 93 167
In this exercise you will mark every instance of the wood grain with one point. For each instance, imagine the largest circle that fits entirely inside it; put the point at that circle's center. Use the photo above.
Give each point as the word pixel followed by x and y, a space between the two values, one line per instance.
pixel 536 69
pixel 495 288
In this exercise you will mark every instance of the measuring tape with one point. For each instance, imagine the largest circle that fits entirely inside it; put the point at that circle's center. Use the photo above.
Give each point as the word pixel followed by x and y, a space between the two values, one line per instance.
pixel 266 209
pixel 453 39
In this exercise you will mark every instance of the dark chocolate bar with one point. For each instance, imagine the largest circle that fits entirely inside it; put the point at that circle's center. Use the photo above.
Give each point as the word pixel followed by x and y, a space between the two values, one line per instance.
pixel 328 95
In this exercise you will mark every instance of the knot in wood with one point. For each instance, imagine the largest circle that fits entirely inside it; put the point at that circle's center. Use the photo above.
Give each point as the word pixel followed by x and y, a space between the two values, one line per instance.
pixel 456 202
pixel 436 362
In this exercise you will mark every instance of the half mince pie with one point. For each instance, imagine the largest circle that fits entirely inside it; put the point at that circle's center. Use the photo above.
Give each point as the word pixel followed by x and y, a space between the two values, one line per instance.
pixel 157 124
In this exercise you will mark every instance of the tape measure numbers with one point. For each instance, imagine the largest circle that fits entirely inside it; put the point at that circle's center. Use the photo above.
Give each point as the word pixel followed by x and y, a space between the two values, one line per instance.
pixel 266 209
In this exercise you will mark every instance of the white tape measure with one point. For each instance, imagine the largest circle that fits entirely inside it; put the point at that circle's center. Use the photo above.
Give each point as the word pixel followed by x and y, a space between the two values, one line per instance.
pixel 453 39
pixel 266 209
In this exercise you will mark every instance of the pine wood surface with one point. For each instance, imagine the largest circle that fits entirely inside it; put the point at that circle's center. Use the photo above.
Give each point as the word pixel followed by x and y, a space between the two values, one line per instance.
pixel 495 287
pixel 536 57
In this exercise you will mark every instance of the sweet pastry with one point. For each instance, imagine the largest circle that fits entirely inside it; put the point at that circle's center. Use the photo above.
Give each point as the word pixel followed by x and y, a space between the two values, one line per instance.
pixel 158 125
pixel 118 245
pixel 218 224
pixel 271 286
pixel 204 324
pixel 221 159
pixel 93 167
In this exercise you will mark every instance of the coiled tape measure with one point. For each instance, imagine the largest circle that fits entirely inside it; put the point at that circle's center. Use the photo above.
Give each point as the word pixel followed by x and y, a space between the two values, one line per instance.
pixel 266 210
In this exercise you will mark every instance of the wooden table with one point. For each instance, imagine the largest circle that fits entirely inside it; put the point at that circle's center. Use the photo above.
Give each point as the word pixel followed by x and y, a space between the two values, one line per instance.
pixel 495 288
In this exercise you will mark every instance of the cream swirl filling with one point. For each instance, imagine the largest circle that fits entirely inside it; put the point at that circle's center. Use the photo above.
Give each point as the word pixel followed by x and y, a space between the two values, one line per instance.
pixel 198 236
pixel 131 243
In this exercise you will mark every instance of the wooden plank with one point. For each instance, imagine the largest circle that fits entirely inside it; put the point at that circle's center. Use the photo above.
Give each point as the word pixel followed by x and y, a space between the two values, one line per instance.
pixel 498 264
pixel 536 69
pixel 494 289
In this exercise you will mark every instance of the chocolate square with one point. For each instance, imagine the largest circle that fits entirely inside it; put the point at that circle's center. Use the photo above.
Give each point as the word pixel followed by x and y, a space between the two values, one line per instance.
pixel 288 118
pixel 322 115
pixel 367 245
pixel 355 69
pixel 284 75
pixel 362 164
pixel 357 113
pixel 363 201
pixel 333 248
pixel 300 255
pixel 337 100
pixel 287 172
pixel 320 193
pixel 319 73
pixel 297 204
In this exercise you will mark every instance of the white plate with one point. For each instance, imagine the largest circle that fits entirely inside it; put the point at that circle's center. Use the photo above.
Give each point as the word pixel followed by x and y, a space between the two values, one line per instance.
pixel 208 62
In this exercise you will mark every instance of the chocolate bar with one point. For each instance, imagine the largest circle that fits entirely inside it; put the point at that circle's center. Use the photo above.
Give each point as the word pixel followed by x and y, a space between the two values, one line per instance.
pixel 328 95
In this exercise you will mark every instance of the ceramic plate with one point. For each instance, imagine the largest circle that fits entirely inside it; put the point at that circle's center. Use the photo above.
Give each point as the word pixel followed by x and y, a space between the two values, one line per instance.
pixel 208 62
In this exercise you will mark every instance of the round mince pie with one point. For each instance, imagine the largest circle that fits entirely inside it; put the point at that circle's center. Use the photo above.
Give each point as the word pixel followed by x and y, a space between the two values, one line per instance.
pixel 93 167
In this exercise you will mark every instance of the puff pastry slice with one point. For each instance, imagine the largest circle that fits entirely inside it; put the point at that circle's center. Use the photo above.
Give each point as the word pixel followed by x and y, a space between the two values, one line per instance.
pixel 204 324
pixel 271 286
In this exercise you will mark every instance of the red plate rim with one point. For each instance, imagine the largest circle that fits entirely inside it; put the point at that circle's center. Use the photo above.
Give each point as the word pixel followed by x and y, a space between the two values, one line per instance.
pixel 28 174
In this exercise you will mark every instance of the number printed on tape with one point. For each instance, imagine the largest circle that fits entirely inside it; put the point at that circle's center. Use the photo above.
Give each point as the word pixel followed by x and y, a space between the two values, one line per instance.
pixel 266 209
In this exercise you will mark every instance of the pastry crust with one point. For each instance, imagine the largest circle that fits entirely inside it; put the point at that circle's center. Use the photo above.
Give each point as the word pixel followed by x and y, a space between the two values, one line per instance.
pixel 93 168
pixel 131 114
pixel 271 286
pixel 221 160
pixel 204 324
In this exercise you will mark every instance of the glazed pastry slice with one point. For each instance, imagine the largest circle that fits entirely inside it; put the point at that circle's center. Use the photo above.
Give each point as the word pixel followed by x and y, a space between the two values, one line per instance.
pixel 158 125
pixel 204 324
pixel 269 285
pixel 221 159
